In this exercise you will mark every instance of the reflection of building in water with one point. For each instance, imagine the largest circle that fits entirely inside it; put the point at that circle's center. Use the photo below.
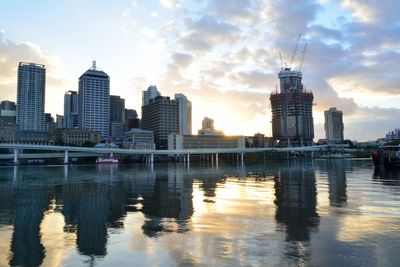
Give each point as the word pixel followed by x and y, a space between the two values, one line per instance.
pixel 89 207
pixel 86 210
pixel 93 213
pixel 209 184
pixel 26 246
pixel 337 182
pixel 117 197
pixel 389 177
pixel 172 198
pixel 296 200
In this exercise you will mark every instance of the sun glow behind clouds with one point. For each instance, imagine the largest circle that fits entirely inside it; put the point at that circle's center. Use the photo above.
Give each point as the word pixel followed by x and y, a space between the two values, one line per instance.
pixel 233 51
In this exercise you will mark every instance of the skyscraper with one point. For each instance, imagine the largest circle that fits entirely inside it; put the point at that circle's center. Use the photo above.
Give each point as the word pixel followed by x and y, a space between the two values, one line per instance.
pixel 117 109
pixel 161 115
pixel 31 96
pixel 150 93
pixel 94 101
pixel 60 124
pixel 333 125
pixel 117 117
pixel 131 119
pixel 71 109
pixel 185 114
pixel 292 118
pixel 49 123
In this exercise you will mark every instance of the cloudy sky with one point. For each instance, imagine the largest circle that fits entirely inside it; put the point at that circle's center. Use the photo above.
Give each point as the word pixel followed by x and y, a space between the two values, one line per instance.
pixel 224 55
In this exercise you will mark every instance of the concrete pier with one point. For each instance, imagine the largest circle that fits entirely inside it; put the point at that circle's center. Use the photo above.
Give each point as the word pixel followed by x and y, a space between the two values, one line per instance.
pixel 15 156
pixel 66 157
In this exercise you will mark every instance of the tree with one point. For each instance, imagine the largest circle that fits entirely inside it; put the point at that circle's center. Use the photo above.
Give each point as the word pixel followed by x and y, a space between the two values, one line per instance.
pixel 88 144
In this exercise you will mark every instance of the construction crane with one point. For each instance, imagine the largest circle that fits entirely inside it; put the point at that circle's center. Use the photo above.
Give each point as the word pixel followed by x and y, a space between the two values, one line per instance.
pixel 302 56
pixel 295 50
pixel 280 56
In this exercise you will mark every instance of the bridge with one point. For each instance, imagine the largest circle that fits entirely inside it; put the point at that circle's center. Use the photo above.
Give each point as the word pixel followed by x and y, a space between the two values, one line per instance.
pixel 70 151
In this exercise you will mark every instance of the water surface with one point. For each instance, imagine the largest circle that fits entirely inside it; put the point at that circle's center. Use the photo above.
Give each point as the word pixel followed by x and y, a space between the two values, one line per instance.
pixel 311 213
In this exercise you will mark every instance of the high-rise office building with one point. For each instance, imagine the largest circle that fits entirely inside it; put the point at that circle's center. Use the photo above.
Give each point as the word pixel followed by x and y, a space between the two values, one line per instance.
pixel 161 115
pixel 333 125
pixel 50 125
pixel 31 96
pixel 117 117
pixel 185 114
pixel 117 109
pixel 71 109
pixel 292 118
pixel 131 119
pixel 60 124
pixel 94 101
pixel 150 93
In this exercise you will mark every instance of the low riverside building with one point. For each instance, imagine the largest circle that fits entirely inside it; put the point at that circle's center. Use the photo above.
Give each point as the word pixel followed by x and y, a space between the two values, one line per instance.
pixel 76 137
pixel 393 136
pixel 7 112
pixel 139 139
pixel 31 137
pixel 259 140
pixel 7 132
pixel 7 121
pixel 178 141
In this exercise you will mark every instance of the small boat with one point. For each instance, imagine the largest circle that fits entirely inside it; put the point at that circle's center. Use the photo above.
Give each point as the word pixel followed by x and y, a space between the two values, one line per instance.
pixel 107 160
pixel 387 157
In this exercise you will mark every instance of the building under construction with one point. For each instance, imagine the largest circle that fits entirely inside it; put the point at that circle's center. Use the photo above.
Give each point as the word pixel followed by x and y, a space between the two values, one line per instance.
pixel 292 118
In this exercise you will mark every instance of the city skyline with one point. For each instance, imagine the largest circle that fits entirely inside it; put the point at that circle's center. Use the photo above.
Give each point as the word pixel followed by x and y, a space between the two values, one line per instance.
pixel 223 57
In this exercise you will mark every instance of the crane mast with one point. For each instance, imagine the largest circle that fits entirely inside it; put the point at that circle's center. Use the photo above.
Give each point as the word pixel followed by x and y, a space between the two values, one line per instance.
pixel 302 57
pixel 295 50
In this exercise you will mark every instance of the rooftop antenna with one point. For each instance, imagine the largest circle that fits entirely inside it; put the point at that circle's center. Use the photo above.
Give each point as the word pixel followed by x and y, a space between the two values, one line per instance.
pixel 94 63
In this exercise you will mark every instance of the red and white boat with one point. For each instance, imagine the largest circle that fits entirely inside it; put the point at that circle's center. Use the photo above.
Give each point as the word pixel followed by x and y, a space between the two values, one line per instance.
pixel 107 160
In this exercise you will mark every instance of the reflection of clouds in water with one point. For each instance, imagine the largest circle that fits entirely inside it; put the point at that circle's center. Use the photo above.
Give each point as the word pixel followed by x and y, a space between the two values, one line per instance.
pixel 5 250
pixel 193 216
pixel 57 242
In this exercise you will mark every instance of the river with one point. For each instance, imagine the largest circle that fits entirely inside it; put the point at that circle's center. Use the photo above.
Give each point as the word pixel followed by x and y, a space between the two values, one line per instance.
pixel 289 213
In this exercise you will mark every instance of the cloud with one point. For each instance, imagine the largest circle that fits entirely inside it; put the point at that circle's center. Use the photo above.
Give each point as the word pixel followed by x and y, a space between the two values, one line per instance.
pixel 373 11
pixel 182 60
pixel 170 3
pixel 228 58
pixel 154 14
pixel 207 32
pixel 212 74
pixel 246 11
pixel 288 19
pixel 363 128
pixel 11 53
pixel 254 79
pixel 318 31
pixel 361 11
pixel 195 42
